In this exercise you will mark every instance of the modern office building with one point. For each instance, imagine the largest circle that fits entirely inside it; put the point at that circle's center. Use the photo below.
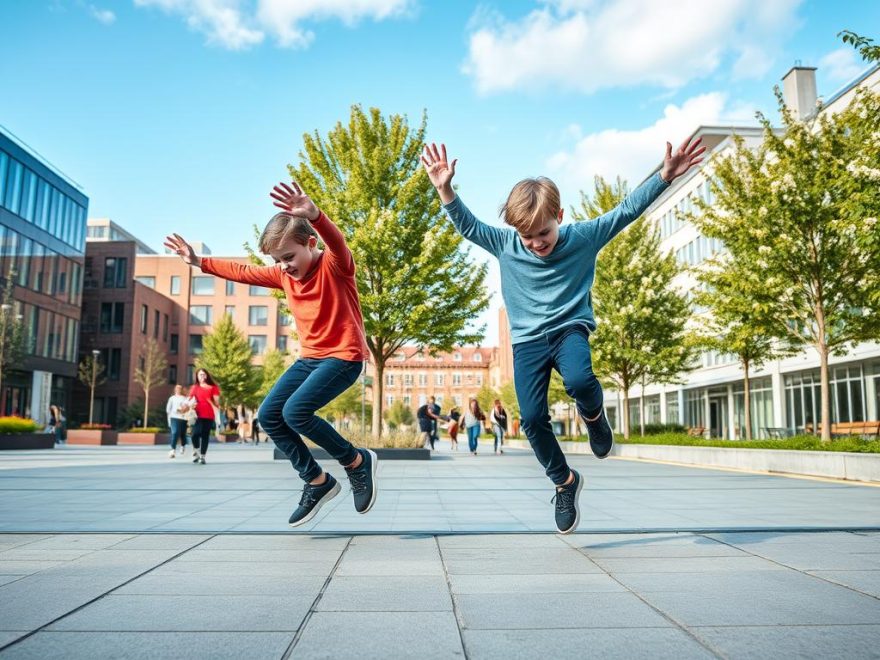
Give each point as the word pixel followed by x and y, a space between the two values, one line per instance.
pixel 42 246
pixel 784 393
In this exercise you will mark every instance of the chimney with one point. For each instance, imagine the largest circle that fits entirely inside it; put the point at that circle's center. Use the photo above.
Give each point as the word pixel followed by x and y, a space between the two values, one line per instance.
pixel 799 90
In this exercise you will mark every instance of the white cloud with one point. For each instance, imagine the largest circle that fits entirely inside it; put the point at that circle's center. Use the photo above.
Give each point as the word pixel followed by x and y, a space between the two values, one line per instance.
pixel 841 65
pixel 633 154
pixel 586 45
pixel 104 16
pixel 240 24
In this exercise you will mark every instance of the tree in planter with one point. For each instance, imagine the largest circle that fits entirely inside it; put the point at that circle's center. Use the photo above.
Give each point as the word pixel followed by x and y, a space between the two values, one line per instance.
pixel 133 415
pixel 507 394
pixel 800 212
pixel 735 324
pixel 91 374
pixel 151 371
pixel 398 414
pixel 416 284
pixel 641 335
pixel 13 334
pixel 345 405
pixel 274 365
pixel 227 356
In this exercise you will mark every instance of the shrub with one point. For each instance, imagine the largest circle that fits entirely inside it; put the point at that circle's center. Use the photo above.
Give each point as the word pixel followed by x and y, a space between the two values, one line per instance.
pixel 799 442
pixel 396 439
pixel 95 427
pixel 149 429
pixel 657 429
pixel 18 425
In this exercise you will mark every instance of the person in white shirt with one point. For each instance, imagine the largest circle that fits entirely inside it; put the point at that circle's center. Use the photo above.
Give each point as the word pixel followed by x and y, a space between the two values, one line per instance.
pixel 498 420
pixel 176 409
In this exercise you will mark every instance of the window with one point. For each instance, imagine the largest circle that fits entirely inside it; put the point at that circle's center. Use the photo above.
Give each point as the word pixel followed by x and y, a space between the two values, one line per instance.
pixel 229 310
pixel 147 280
pixel 257 290
pixel 195 345
pixel 389 400
pixel 144 313
pixel 456 379
pixel 115 366
pixel 423 379
pixel 282 343
pixel 175 285
pixel 423 399
pixel 478 357
pixel 175 343
pixel 407 400
pixel 258 343
pixel 230 288
pixel 407 380
pixel 672 408
pixel 201 315
pixel 479 380
pixel 285 319
pixel 156 324
pixel 112 317
pixel 165 327
pixel 400 357
pixel 203 285
pixel 258 315
pixel 115 272
pixel 172 374
pixel 438 379
pixel 389 380
pixel 420 357
pixel 190 374
pixel 456 356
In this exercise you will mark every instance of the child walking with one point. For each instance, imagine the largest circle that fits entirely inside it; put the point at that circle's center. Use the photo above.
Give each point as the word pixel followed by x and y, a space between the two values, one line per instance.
pixel 322 296
pixel 547 271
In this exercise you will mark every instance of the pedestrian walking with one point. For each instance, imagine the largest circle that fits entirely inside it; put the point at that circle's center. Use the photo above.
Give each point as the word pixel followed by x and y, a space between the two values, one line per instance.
pixel 176 408
pixel 473 424
pixel 454 418
pixel 204 396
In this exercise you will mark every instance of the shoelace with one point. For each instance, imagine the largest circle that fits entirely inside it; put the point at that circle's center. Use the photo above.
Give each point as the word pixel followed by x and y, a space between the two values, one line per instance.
pixel 564 499
pixel 358 478
pixel 308 499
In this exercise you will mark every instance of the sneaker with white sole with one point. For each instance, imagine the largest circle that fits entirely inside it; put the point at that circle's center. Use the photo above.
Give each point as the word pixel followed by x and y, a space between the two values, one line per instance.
pixel 313 498
pixel 568 513
pixel 363 481
pixel 172 454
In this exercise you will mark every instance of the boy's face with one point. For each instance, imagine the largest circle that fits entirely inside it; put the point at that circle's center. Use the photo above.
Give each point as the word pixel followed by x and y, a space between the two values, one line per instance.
pixel 541 239
pixel 295 258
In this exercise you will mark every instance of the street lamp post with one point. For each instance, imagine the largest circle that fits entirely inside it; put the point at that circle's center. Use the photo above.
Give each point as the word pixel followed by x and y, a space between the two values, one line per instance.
pixel 95 354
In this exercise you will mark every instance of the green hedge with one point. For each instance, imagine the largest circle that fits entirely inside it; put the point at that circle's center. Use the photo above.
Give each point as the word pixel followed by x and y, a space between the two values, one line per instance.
pixel 149 429
pixel 801 442
pixel 18 425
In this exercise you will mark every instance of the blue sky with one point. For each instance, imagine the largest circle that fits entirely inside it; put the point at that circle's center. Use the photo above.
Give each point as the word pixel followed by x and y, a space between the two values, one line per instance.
pixel 179 115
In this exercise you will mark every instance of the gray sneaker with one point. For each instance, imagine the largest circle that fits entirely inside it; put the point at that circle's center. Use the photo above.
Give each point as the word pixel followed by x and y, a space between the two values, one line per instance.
pixel 363 481
pixel 313 498
pixel 568 513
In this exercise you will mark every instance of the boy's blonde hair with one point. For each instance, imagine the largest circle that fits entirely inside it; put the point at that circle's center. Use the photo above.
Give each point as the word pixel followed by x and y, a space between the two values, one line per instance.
pixel 531 203
pixel 283 226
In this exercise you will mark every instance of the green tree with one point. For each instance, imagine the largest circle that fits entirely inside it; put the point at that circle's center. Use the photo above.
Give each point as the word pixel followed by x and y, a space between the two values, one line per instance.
pixel 869 51
pixel 486 398
pixel 398 414
pixel 151 371
pixel 91 374
pixel 416 284
pixel 227 356
pixel 13 335
pixel 641 335
pixel 347 404
pixel 274 365
pixel 800 212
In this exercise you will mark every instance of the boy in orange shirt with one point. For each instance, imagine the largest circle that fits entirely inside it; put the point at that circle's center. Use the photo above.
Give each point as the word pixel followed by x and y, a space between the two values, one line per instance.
pixel 322 296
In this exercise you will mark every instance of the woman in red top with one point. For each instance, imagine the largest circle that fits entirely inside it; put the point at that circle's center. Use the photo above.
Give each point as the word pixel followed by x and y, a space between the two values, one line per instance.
pixel 205 397
pixel 322 295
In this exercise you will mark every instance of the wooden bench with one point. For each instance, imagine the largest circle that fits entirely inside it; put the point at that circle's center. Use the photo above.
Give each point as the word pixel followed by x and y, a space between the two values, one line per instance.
pixel 867 429
pixel 696 431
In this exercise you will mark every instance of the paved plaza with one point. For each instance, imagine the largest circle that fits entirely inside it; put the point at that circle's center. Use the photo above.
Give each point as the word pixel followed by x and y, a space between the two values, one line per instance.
pixel 121 552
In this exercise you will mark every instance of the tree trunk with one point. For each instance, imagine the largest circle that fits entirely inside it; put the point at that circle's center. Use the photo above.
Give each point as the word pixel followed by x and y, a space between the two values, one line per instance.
pixel 825 392
pixel 625 411
pixel 747 400
pixel 378 390
pixel 91 401
pixel 146 406
pixel 642 410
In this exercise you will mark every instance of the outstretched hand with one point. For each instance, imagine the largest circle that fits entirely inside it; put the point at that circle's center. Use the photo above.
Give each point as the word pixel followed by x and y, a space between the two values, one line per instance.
pixel 685 157
pixel 293 200
pixel 439 170
pixel 182 249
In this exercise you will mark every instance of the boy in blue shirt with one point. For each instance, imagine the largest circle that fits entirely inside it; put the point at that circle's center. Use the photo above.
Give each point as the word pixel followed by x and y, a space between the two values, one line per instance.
pixel 547 271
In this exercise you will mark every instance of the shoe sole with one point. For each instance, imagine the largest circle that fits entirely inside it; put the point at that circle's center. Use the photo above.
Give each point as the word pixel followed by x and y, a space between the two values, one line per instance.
pixel 606 454
pixel 374 464
pixel 577 507
pixel 329 495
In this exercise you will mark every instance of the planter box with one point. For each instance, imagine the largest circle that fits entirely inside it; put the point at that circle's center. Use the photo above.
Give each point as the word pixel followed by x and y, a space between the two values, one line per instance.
pixel 381 454
pixel 27 441
pixel 92 437
pixel 231 437
pixel 143 438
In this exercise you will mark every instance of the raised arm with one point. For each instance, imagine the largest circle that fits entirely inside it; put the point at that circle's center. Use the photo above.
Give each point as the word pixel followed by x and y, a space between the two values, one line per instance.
pixel 440 172
pixel 267 276
pixel 293 200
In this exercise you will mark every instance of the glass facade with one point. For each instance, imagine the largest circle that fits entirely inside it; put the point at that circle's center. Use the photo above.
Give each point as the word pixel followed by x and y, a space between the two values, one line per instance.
pixel 760 405
pixel 803 402
pixel 38 268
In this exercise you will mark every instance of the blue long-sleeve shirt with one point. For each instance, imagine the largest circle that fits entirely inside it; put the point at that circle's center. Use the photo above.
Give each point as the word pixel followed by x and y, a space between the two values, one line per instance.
pixel 543 294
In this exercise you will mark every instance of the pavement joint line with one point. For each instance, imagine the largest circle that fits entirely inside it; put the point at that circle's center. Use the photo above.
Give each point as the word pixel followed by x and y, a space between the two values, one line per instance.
pixel 797 570
pixel 455 613
pixel 97 598
pixel 769 473
pixel 308 617
pixel 675 622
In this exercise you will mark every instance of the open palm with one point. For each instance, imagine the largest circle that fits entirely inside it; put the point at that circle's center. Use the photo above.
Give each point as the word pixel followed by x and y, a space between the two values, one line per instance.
pixel 293 200
pixel 181 248
pixel 438 168
pixel 685 157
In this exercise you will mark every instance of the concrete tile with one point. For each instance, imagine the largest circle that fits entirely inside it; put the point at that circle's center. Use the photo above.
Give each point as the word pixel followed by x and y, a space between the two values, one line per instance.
pixel 573 563
pixel 149 645
pixel 534 584
pixel 224 585
pixel 188 613
pixel 756 642
pixel 287 542
pixel 685 564
pixel 375 567
pixel 26 567
pixel 253 568
pixel 7 636
pixel 380 636
pixel 292 555
pixel 574 610
pixel 411 593
pixel 868 582
pixel 647 643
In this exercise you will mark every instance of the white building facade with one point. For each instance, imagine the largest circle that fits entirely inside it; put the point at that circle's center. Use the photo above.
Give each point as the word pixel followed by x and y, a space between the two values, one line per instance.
pixel 784 393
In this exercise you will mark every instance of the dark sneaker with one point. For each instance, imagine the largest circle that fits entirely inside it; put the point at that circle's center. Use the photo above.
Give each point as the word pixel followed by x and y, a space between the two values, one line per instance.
pixel 313 498
pixel 568 513
pixel 601 436
pixel 363 481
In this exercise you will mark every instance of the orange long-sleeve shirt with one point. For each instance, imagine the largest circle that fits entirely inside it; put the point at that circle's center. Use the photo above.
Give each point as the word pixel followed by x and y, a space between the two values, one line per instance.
pixel 325 304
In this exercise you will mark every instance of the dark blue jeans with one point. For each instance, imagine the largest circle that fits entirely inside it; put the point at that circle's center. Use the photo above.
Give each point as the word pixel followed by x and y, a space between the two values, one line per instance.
pixel 568 351
pixel 178 432
pixel 288 412
pixel 473 433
